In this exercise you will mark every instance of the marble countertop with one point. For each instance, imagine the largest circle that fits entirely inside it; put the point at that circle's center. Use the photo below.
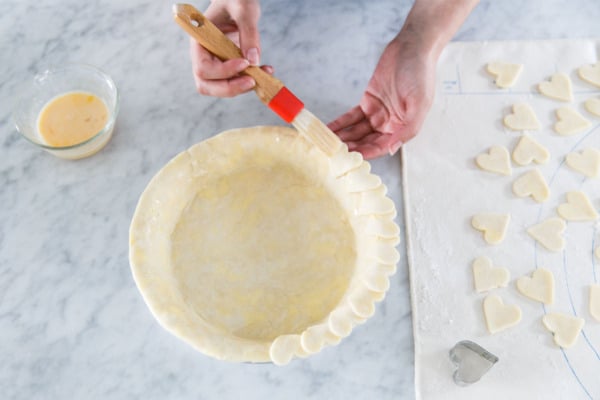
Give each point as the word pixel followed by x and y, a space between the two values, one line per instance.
pixel 72 322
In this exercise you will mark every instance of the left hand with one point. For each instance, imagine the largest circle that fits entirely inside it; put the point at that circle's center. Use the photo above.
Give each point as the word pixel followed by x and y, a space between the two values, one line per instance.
pixel 395 103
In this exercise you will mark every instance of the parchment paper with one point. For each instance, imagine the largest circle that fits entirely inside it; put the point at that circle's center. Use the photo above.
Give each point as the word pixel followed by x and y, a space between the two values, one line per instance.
pixel 444 189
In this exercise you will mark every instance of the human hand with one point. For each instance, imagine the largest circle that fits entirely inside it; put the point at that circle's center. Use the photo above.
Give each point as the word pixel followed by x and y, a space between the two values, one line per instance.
pixel 395 103
pixel 239 21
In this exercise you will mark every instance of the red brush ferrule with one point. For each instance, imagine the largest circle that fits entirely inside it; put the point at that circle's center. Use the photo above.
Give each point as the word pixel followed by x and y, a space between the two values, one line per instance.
pixel 286 105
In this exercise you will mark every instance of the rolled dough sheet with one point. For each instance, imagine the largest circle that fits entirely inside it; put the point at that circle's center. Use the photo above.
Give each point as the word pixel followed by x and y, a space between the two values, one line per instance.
pixel 444 189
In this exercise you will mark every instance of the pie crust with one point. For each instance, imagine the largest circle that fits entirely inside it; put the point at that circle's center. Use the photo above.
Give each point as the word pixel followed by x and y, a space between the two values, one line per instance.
pixel 255 246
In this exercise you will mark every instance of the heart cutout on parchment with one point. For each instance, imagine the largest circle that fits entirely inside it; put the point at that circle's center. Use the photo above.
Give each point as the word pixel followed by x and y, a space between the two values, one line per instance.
pixel 570 122
pixel 532 184
pixel 538 287
pixel 499 316
pixel 496 160
pixel 549 233
pixel 577 208
pixel 587 162
pixel 558 87
pixel 487 277
pixel 493 226
pixel 523 118
pixel 593 106
pixel 505 74
pixel 471 362
pixel 529 150
pixel 564 327
pixel 590 73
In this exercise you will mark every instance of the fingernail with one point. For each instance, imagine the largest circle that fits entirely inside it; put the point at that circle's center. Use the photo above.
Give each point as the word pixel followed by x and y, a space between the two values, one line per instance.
pixel 252 56
pixel 243 64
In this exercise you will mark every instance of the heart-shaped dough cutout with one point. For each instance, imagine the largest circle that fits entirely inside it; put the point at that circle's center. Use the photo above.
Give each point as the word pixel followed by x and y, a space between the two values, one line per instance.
pixel 564 327
pixel 558 87
pixel 528 150
pixel 505 74
pixel 549 233
pixel 496 160
pixel 523 118
pixel 577 208
pixel 499 316
pixel 493 226
pixel 471 362
pixel 587 162
pixel 487 277
pixel 570 122
pixel 532 184
pixel 593 106
pixel 540 287
pixel 595 302
pixel 590 73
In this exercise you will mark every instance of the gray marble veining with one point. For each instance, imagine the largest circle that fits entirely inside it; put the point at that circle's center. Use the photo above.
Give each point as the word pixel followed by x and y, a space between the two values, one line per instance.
pixel 72 323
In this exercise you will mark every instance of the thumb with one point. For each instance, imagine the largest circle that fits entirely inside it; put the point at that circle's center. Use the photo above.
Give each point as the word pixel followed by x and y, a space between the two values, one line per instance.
pixel 247 22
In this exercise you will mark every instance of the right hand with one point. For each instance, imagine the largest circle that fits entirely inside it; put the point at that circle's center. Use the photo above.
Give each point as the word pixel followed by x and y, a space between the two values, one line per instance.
pixel 238 19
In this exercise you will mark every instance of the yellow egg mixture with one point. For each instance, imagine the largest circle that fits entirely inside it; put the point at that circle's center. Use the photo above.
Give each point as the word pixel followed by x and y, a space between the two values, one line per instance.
pixel 72 118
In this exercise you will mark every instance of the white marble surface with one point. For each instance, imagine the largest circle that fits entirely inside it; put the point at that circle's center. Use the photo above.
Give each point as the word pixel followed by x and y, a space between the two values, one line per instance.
pixel 72 323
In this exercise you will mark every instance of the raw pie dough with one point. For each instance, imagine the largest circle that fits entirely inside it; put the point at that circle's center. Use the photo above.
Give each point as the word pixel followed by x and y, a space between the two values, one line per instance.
pixel 255 246
pixel 564 327
pixel 549 233
pixel 529 150
pixel 587 162
pixel 532 184
pixel 496 160
pixel 577 208
pixel 538 287
pixel 593 106
pixel 570 122
pixel 523 118
pixel 493 226
pixel 499 316
pixel 487 277
pixel 505 74
pixel 590 73
pixel 558 87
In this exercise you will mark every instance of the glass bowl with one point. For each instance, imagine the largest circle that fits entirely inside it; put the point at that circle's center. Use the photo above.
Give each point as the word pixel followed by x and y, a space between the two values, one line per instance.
pixel 56 81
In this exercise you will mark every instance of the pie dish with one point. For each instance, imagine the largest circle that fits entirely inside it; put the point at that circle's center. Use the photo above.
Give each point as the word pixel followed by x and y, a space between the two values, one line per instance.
pixel 254 246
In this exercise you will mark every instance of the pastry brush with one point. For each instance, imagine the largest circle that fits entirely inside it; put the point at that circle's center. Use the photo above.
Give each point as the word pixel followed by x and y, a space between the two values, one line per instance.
pixel 269 89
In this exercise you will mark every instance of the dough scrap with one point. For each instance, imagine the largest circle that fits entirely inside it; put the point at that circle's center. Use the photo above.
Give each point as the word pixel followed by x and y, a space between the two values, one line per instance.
pixel 523 118
pixel 577 208
pixel 493 226
pixel 564 327
pixel 540 287
pixel 549 233
pixel 593 106
pixel 499 316
pixel 487 277
pixel 496 160
pixel 505 74
pixel 570 122
pixel 558 87
pixel 529 150
pixel 587 162
pixel 590 73
pixel 532 184
pixel 595 302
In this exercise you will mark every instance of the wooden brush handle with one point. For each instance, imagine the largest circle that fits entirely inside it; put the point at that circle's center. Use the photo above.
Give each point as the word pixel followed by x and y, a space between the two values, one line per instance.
pixel 213 40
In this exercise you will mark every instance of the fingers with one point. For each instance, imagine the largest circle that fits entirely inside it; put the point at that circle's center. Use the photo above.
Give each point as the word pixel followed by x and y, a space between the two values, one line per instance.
pixel 246 15
pixel 376 145
pixel 350 118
